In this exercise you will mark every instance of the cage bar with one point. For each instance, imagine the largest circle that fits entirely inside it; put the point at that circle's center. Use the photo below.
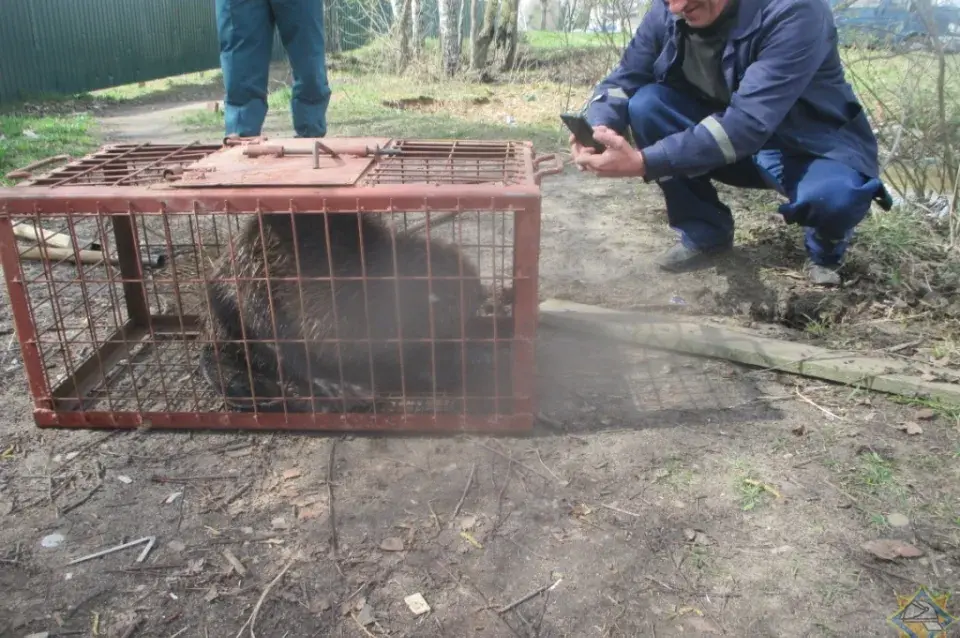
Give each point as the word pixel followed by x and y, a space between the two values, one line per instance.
pixel 334 321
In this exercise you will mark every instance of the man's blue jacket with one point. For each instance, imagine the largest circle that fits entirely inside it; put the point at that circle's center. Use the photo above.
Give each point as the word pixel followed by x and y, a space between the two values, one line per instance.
pixel 783 68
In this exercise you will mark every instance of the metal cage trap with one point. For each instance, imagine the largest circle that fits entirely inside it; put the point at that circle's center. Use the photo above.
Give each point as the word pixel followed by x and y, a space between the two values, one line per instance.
pixel 333 284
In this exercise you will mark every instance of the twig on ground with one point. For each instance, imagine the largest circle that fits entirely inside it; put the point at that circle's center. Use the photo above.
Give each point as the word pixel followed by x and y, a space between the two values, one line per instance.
pixel 517 463
pixel 83 499
pixel 360 625
pixel 252 620
pixel 617 509
pixel 527 597
pixel 156 478
pixel 334 543
pixel 132 628
pixel 503 490
pixel 436 519
pixel 181 632
pixel 463 497
pixel 552 473
pixel 819 407
pixel 886 572
pixel 843 493
pixel 763 486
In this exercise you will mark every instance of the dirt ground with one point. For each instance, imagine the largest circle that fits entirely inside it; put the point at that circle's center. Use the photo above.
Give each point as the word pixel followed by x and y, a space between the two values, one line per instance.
pixel 661 495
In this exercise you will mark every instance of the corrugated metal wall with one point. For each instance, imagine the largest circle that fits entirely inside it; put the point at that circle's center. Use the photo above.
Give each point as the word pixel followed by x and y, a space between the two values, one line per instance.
pixel 63 47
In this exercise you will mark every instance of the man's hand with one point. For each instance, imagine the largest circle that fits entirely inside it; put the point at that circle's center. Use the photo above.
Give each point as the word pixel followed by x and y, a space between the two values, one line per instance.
pixel 619 159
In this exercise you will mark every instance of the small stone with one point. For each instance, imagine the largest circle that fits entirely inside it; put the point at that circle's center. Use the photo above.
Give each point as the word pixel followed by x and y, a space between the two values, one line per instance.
pixel 895 519
pixel 52 540
pixel 926 415
pixel 417 604
pixel 392 544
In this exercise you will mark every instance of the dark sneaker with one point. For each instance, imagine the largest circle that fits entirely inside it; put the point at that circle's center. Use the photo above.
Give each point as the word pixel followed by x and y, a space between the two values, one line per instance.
pixel 823 275
pixel 681 258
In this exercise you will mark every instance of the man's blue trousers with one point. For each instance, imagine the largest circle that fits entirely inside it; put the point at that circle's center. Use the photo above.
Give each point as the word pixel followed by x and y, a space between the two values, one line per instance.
pixel 826 197
pixel 245 29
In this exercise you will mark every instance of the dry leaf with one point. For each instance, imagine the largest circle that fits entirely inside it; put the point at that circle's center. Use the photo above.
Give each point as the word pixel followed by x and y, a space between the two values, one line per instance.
pixel 291 474
pixel 695 536
pixel 467 536
pixel 895 519
pixel 365 616
pixel 304 501
pixel 911 428
pixel 580 510
pixel 392 544
pixel 310 512
pixel 703 626
pixel 890 549
pixel 244 451
pixel 926 414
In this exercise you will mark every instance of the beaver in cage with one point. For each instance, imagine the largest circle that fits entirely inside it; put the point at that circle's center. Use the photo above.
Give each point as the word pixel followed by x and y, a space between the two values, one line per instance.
pixel 266 362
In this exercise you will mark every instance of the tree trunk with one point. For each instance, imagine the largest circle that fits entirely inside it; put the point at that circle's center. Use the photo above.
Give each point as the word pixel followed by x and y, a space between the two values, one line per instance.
pixel 416 27
pixel 481 47
pixel 543 14
pixel 473 27
pixel 449 36
pixel 507 33
pixel 403 36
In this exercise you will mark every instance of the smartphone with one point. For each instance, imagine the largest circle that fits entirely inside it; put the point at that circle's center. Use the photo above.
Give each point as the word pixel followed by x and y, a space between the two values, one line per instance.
pixel 582 131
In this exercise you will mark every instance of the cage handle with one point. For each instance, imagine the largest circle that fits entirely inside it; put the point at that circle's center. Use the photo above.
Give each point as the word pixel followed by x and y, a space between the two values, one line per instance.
pixel 27 171
pixel 556 169
pixel 236 140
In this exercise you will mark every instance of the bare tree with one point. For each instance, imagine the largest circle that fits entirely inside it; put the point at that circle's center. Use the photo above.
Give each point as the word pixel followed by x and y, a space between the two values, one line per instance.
pixel 402 27
pixel 473 30
pixel 449 36
pixel 481 44
pixel 506 38
pixel 416 26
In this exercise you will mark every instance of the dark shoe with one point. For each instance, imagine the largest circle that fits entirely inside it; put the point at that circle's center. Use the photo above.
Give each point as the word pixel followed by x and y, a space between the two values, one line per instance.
pixel 681 258
pixel 823 275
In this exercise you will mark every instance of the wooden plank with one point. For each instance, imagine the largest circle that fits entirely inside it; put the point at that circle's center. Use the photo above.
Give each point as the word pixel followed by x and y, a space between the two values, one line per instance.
pixel 879 374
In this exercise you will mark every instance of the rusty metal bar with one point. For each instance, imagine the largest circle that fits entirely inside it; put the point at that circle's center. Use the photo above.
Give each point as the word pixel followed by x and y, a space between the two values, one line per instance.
pixel 154 163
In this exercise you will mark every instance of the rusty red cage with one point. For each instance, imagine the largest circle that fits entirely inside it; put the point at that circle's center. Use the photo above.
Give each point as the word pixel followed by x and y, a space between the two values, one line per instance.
pixel 280 284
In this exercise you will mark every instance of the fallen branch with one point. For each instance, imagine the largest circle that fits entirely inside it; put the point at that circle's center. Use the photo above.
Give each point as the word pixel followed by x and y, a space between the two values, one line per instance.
pixel 334 543
pixel 527 597
pixel 888 375
pixel 466 489
pixel 252 620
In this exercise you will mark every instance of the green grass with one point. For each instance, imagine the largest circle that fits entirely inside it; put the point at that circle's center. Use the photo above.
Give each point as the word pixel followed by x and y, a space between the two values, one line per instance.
pixel 26 139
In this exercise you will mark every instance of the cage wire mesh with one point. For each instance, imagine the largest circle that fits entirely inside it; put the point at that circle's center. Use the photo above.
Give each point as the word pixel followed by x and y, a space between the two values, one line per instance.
pixel 110 302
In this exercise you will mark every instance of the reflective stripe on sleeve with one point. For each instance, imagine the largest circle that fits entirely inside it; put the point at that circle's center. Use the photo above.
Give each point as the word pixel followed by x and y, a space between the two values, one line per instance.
pixel 721 137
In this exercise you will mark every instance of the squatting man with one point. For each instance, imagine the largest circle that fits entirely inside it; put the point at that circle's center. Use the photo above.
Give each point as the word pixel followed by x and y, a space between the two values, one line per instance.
pixel 750 93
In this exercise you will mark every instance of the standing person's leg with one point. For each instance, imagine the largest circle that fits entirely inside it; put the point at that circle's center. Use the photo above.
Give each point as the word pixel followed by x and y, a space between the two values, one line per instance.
pixel 694 209
pixel 829 199
pixel 300 23
pixel 245 31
